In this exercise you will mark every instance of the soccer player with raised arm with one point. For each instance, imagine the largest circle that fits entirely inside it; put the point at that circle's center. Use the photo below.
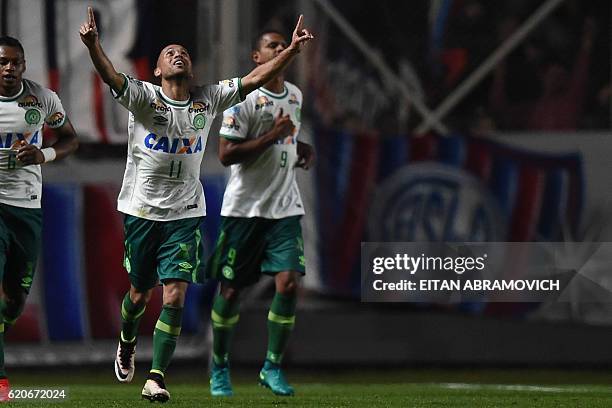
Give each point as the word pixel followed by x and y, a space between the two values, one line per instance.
pixel 260 229
pixel 162 197
pixel 25 107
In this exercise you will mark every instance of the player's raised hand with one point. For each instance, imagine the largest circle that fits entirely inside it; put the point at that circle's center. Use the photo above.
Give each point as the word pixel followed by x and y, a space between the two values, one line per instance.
pixel 300 35
pixel 88 30
pixel 283 125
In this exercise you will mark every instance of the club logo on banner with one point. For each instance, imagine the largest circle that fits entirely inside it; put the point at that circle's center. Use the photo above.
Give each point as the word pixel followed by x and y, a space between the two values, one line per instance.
pixel 434 202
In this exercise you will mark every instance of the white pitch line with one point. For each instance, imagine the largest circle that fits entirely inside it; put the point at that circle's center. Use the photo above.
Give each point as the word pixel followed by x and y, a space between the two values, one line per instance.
pixel 508 387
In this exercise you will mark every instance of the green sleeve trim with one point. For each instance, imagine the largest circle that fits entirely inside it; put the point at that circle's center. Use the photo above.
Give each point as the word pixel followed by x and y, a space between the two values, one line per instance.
pixel 125 87
pixel 232 138
pixel 242 97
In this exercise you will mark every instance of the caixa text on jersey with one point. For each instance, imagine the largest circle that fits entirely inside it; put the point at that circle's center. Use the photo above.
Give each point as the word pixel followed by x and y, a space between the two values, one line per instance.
pixel 175 146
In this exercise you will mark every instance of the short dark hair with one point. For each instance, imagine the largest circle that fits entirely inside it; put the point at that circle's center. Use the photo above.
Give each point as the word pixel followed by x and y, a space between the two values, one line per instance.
pixel 257 41
pixel 11 42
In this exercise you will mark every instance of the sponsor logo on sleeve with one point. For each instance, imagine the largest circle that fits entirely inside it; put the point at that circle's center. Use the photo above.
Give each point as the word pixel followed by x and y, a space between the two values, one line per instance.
pixel 55 119
pixel 136 81
pixel 228 82
pixel 293 100
pixel 229 122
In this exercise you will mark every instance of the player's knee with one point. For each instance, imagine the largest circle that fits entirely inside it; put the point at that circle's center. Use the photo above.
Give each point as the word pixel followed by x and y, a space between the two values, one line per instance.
pixel 228 293
pixel 287 285
pixel 174 293
pixel 140 298
pixel 14 305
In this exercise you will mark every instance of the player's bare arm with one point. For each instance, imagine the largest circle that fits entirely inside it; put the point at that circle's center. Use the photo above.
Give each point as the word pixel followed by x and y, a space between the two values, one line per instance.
pixel 66 144
pixel 89 36
pixel 306 155
pixel 237 152
pixel 265 72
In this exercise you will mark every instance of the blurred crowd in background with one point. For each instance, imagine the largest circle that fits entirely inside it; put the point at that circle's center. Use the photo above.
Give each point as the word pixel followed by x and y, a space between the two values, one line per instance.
pixel 557 79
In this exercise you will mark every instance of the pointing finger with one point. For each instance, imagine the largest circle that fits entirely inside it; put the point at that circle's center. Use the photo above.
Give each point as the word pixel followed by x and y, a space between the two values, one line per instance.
pixel 90 16
pixel 300 23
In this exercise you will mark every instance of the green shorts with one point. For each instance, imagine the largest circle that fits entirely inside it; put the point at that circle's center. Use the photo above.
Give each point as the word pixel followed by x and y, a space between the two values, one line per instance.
pixel 20 237
pixel 248 247
pixel 159 250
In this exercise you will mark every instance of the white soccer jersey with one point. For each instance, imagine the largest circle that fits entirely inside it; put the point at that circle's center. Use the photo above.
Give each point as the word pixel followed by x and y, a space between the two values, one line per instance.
pixel 22 118
pixel 264 187
pixel 166 141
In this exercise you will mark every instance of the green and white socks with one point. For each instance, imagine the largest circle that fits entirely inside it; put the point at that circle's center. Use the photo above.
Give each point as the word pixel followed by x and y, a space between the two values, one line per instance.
pixel 167 331
pixel 224 316
pixel 131 315
pixel 281 319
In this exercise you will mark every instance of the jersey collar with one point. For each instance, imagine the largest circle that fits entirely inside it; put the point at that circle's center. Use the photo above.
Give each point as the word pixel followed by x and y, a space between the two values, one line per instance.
pixel 179 104
pixel 275 95
pixel 12 98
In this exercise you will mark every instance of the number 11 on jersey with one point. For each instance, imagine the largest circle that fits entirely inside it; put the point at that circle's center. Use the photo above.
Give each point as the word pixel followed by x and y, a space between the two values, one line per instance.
pixel 175 168
pixel 12 159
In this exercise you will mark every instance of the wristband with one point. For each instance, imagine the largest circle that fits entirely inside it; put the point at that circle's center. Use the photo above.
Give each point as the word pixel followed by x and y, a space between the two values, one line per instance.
pixel 49 154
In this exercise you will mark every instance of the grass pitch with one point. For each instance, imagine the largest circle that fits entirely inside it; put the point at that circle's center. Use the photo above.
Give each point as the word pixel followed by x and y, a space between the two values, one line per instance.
pixel 415 388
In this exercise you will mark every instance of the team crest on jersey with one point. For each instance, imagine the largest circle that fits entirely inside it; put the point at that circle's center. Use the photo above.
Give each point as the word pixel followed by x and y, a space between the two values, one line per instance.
pixel 293 100
pixel 29 101
pixel 55 119
pixel 199 107
pixel 182 145
pixel 262 102
pixel 199 121
pixel 159 106
pixel 32 116
pixel 228 272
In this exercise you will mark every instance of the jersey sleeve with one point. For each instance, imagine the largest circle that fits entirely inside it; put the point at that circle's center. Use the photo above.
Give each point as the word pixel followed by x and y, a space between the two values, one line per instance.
pixel 133 96
pixel 235 123
pixel 55 116
pixel 226 94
